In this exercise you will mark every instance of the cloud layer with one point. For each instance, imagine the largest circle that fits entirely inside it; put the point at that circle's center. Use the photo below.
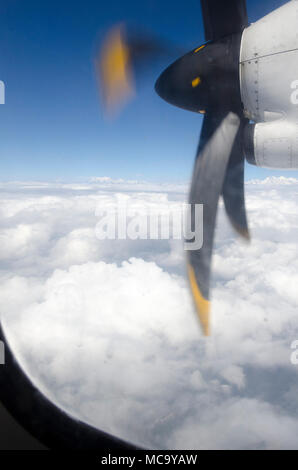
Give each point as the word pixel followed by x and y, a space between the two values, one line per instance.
pixel 107 328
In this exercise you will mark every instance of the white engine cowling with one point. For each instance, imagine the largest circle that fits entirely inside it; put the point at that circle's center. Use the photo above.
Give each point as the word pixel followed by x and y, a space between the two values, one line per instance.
pixel 269 88
pixel 272 144
pixel 269 66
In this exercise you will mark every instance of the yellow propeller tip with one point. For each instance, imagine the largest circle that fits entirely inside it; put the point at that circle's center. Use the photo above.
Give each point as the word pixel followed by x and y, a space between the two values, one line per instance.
pixel 114 70
pixel 202 305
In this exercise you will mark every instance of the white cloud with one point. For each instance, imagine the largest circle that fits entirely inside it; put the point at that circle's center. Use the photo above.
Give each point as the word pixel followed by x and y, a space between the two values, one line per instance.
pixel 107 328
pixel 234 375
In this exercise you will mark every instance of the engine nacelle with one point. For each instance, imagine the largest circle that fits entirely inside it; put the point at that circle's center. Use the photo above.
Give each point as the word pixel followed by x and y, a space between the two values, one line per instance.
pixel 269 66
pixel 269 88
pixel 272 144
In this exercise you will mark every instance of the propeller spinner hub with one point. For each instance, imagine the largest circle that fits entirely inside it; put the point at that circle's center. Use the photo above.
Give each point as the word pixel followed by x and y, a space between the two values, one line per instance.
pixel 206 79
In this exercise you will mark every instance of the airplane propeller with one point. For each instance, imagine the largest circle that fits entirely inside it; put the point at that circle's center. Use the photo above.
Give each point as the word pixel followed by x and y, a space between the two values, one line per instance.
pixel 206 81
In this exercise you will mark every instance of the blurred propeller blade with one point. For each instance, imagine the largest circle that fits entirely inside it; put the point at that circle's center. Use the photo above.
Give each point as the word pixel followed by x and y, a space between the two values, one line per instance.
pixel 233 188
pixel 113 66
pixel 121 55
pixel 216 144
pixel 223 18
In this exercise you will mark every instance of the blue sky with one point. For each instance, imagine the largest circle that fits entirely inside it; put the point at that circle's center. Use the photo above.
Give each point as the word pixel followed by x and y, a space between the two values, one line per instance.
pixel 52 126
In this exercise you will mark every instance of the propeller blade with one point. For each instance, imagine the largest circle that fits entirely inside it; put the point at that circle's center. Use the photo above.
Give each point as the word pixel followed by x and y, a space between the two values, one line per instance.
pixel 113 67
pixel 216 144
pixel 233 188
pixel 222 18
pixel 120 55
